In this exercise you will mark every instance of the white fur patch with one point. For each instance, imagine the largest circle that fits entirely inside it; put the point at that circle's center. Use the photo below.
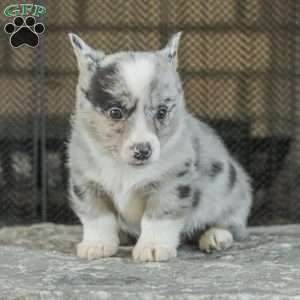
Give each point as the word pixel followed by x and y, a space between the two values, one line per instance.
pixel 102 229
pixel 100 237
pixel 158 241
pixel 138 74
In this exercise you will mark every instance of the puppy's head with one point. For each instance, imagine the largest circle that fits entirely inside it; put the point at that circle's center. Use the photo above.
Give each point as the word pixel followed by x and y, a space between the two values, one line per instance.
pixel 130 101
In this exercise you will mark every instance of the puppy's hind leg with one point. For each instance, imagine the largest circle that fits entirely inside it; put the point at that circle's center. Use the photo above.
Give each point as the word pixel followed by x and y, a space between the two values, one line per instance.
pixel 215 238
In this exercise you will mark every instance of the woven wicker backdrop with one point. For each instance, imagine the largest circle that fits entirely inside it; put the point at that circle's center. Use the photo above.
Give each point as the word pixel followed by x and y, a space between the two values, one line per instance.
pixel 239 61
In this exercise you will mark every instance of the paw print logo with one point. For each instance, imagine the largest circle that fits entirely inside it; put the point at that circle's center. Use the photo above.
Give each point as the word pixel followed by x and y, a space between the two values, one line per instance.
pixel 24 32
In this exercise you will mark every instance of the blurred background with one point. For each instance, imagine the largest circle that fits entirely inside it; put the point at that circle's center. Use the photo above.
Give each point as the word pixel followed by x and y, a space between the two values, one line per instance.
pixel 240 64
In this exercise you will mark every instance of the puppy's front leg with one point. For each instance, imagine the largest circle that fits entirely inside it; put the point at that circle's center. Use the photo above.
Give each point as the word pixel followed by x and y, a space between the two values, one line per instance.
pixel 159 239
pixel 100 237
pixel 100 227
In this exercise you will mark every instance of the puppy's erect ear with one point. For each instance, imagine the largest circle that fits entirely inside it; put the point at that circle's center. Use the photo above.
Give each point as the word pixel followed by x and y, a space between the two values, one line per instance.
pixel 87 57
pixel 171 50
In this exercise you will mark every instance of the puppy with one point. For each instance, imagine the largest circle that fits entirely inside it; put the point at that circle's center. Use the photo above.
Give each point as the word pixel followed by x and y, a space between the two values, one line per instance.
pixel 140 163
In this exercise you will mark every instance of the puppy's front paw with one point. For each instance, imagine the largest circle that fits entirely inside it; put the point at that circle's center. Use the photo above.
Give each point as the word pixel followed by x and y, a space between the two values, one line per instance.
pixel 93 250
pixel 215 239
pixel 152 252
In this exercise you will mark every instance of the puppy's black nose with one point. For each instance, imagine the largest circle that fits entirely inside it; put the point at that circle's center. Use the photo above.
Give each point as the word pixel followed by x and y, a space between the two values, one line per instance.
pixel 142 151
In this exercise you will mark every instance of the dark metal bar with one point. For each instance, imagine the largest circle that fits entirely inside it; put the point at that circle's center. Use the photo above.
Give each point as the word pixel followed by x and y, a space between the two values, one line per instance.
pixel 43 119
pixel 295 38
pixel 164 22
pixel 295 56
pixel 243 81
pixel 270 85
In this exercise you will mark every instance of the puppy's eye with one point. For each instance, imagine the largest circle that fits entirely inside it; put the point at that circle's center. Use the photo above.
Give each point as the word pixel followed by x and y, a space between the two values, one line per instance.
pixel 116 113
pixel 162 112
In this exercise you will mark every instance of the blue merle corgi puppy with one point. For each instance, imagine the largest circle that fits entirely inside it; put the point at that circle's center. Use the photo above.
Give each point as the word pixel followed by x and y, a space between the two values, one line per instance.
pixel 140 163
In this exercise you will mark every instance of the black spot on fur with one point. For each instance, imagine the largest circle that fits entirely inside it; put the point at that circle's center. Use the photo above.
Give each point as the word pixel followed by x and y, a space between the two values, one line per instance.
pixel 182 173
pixel 184 206
pixel 187 164
pixel 78 192
pixel 101 81
pixel 184 191
pixel 167 100
pixel 196 198
pixel 196 146
pixel 232 176
pixel 172 55
pixel 154 185
pixel 76 42
pixel 91 66
pixel 216 169
pixel 98 94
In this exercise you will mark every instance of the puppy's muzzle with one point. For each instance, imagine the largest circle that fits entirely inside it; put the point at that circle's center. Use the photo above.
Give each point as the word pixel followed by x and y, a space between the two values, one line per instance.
pixel 142 151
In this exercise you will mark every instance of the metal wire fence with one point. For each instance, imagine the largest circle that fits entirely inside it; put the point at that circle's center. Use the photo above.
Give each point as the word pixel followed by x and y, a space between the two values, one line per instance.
pixel 239 61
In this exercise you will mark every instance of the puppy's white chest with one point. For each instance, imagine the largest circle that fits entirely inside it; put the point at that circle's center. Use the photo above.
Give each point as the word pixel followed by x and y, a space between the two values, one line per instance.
pixel 122 184
pixel 131 207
